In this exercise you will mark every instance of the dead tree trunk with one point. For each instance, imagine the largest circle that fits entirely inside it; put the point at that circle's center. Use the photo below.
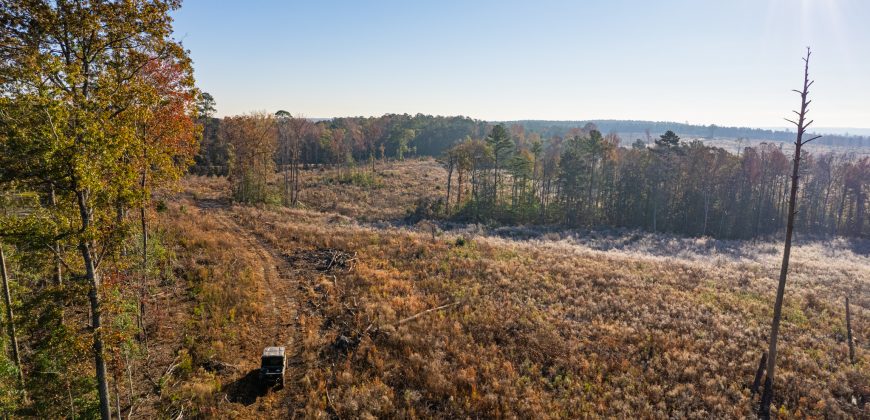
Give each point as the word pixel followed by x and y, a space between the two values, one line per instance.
pixel 10 319
pixel 849 333
pixel 801 124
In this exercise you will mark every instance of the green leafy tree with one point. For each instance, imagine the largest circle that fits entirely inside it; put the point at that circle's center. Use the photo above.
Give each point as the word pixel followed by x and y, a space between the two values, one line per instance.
pixel 206 105
pixel 70 121
pixel 213 155
pixel 668 140
pixel 521 167
pixel 572 177
pixel 403 142
pixel 253 140
pixel 500 142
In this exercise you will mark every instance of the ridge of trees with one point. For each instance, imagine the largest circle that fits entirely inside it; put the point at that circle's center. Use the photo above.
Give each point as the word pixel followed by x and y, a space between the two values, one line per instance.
pixel 509 175
pixel 687 188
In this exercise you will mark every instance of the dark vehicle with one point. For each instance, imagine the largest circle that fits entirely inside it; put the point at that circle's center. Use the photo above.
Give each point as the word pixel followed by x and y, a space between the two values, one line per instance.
pixel 272 366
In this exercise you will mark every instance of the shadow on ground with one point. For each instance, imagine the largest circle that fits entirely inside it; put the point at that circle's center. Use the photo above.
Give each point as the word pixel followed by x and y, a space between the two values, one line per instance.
pixel 212 203
pixel 246 389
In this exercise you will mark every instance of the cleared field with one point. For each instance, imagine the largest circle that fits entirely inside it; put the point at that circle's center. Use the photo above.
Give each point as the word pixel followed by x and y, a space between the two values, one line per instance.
pixel 392 193
pixel 396 322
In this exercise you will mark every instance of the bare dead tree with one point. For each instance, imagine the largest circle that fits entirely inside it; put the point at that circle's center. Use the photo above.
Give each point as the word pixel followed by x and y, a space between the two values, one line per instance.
pixel 802 123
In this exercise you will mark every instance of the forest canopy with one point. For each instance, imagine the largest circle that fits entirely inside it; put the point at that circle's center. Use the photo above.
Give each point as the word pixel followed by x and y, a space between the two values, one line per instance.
pixel 551 173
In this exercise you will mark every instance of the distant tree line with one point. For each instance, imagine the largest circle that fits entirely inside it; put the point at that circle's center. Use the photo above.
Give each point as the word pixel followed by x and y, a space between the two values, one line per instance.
pixel 588 180
pixel 513 175
pixel 629 128
pixel 343 142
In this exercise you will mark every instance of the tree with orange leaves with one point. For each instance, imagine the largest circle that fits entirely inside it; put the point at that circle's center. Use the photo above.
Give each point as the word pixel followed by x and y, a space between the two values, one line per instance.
pixel 168 140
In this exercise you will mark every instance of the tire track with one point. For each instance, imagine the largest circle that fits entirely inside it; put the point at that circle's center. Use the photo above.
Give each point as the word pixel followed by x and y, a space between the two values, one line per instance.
pixel 281 284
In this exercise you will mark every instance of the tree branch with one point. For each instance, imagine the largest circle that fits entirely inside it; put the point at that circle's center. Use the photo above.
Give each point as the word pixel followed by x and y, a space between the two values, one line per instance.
pixel 413 317
pixel 61 260
pixel 807 141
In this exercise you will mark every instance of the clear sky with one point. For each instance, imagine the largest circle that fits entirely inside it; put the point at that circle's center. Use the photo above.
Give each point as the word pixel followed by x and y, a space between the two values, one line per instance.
pixel 728 62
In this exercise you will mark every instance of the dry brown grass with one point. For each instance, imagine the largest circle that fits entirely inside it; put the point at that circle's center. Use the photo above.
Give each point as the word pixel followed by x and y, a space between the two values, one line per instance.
pixel 398 186
pixel 389 195
pixel 549 331
pixel 219 313
pixel 544 328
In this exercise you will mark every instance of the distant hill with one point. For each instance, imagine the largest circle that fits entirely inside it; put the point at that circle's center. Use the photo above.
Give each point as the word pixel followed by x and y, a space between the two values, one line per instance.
pixel 853 131
pixel 630 130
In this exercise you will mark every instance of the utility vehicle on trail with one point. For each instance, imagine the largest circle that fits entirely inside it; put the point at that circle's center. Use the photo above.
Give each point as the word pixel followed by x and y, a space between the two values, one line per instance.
pixel 272 366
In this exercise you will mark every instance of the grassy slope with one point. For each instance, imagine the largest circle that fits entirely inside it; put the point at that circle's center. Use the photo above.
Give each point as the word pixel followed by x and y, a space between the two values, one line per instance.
pixel 396 190
pixel 650 327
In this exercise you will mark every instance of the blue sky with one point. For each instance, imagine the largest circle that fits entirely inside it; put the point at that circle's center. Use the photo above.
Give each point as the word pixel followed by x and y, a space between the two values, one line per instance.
pixel 725 62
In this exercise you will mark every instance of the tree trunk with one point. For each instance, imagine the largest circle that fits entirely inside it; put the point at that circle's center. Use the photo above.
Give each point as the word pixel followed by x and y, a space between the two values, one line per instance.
pixel 760 208
pixel 840 211
pixel 449 183
pixel 764 411
pixel 859 212
pixel 72 404
pixel 849 333
pixel 286 196
pixel 296 175
pixel 782 203
pixel 495 180
pixel 706 210
pixel 86 247
pixel 655 210
pixel 459 186
pixel 117 397
pixel 826 217
pixel 58 269
pixel 130 382
pixel 10 318
pixel 589 193
pixel 143 285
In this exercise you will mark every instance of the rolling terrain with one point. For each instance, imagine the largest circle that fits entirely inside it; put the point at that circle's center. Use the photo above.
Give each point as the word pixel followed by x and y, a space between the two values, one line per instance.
pixel 410 321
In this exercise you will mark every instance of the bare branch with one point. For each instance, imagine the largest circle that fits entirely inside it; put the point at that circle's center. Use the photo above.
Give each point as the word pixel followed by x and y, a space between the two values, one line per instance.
pixel 807 141
pixel 60 259
pixel 410 318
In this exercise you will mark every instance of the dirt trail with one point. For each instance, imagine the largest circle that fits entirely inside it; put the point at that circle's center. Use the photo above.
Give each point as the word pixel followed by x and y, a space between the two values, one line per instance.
pixel 277 278
pixel 277 325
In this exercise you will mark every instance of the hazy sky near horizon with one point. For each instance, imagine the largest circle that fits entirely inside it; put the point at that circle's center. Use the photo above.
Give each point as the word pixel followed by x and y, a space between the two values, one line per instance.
pixel 723 62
